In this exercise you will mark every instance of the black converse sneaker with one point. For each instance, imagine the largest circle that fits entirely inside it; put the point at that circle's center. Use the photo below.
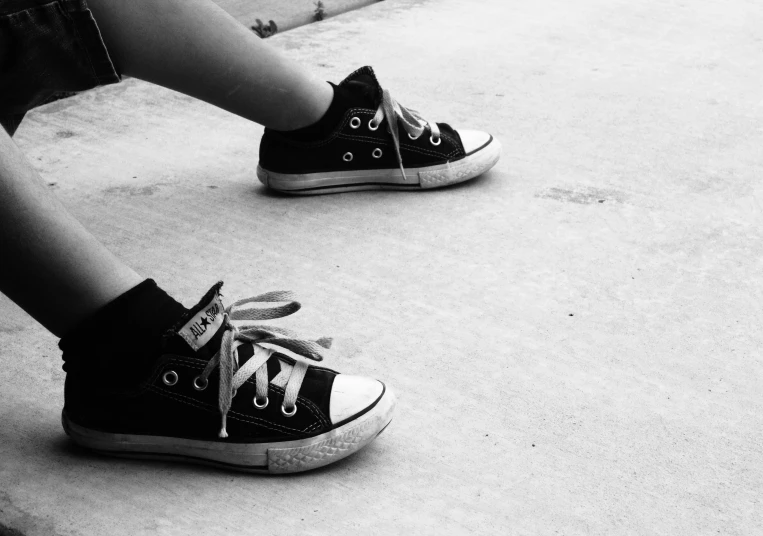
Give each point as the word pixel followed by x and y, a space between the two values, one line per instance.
pixel 220 394
pixel 360 151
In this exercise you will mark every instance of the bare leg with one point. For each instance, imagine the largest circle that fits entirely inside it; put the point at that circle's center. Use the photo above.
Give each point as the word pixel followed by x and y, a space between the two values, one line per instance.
pixel 196 48
pixel 51 266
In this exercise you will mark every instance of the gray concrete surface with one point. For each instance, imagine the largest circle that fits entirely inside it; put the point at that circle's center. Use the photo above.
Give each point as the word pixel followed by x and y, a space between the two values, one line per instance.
pixel 575 337
pixel 286 14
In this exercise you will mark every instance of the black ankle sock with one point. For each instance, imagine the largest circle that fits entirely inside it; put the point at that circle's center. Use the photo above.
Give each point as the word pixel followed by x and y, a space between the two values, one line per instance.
pixel 344 98
pixel 125 335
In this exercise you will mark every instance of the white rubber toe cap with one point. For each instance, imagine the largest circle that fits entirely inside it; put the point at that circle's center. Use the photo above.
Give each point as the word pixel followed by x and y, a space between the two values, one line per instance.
pixel 473 139
pixel 351 395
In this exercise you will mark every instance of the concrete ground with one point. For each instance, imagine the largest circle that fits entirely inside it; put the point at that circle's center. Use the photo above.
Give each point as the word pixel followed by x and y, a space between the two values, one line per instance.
pixel 575 337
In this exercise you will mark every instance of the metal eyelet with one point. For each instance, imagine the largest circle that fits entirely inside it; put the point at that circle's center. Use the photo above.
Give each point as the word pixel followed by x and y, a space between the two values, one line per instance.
pixel 431 140
pixel 355 122
pixel 371 125
pixel 198 386
pixel 377 153
pixel 347 157
pixel 170 378
pixel 286 413
pixel 261 406
pixel 414 138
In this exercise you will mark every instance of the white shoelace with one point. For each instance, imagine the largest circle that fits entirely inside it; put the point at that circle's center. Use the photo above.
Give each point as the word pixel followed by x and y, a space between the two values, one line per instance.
pixel 413 123
pixel 232 376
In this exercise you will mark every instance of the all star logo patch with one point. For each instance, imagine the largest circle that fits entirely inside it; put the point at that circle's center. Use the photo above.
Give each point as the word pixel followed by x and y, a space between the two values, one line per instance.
pixel 204 324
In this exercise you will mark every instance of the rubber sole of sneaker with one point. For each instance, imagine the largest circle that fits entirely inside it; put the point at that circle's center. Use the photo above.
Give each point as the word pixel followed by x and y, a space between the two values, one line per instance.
pixel 266 458
pixel 472 165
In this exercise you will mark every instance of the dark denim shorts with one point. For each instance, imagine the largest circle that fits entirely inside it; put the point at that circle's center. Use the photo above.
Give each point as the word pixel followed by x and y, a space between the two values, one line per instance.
pixel 47 47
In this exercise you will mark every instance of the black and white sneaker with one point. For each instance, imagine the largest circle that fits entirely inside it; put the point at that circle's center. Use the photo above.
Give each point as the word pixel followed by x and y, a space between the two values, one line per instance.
pixel 221 394
pixel 362 152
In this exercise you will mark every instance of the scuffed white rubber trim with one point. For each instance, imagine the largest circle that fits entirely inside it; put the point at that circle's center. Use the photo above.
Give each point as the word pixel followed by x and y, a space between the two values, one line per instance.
pixel 281 457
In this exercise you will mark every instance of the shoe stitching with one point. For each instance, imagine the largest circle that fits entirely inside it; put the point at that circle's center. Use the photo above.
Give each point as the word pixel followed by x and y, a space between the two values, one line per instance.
pixel 199 365
pixel 347 118
pixel 158 371
pixel 332 136
pixel 378 141
pixel 413 148
pixel 306 402
pixel 241 417
pixel 428 152
pixel 315 410
pixel 311 406
pixel 234 415
pixel 196 363
pixel 177 397
pixel 364 111
pixel 197 403
pixel 453 141
pixel 339 134
pixel 456 149
pixel 310 428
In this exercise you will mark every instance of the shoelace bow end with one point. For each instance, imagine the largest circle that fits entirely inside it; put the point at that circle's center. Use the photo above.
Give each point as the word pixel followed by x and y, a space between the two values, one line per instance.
pixel 226 359
pixel 411 120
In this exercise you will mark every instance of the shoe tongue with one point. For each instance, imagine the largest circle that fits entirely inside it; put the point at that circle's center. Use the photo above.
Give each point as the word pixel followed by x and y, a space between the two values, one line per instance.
pixel 201 328
pixel 200 332
pixel 447 129
pixel 364 84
